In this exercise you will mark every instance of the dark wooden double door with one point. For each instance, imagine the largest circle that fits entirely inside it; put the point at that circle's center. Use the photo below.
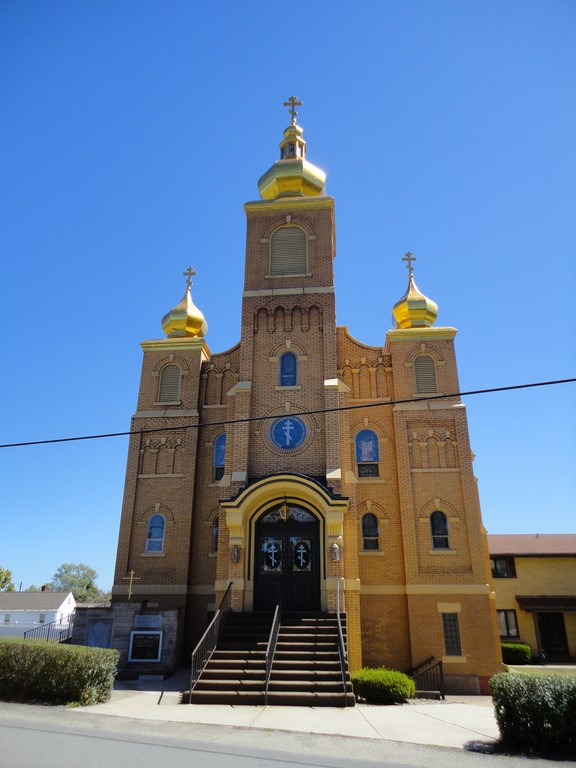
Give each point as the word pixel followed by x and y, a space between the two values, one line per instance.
pixel 287 562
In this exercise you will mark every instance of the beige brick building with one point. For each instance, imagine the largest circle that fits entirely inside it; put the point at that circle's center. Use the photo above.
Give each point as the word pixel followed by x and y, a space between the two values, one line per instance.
pixel 302 461
pixel 535 586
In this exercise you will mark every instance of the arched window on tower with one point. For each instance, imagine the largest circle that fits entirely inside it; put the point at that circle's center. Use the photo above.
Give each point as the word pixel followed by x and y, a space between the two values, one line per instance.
pixel 219 457
pixel 439 530
pixel 288 252
pixel 169 384
pixel 288 370
pixel 155 534
pixel 367 453
pixel 370 531
pixel 425 375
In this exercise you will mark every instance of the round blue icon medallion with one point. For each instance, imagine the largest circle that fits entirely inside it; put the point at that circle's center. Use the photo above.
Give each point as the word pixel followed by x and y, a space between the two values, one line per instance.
pixel 288 432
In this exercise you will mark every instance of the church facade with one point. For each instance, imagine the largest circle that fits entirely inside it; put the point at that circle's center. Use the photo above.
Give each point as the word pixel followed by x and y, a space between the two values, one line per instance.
pixel 305 467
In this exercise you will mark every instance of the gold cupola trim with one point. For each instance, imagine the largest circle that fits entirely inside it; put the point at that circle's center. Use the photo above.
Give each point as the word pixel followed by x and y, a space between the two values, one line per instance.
pixel 292 175
pixel 414 310
pixel 185 319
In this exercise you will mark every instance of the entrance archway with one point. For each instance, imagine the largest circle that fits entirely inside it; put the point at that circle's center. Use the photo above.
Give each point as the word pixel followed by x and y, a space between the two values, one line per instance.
pixel 287 560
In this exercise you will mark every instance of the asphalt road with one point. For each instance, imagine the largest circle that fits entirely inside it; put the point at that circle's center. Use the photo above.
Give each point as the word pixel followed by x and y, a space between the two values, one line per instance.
pixel 56 737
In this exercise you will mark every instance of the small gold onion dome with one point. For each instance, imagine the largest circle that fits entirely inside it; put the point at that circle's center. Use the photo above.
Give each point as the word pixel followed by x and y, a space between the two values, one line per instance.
pixel 185 319
pixel 414 310
pixel 292 175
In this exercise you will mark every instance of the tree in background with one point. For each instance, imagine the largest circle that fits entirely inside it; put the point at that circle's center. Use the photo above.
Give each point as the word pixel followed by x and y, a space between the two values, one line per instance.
pixel 6 584
pixel 79 579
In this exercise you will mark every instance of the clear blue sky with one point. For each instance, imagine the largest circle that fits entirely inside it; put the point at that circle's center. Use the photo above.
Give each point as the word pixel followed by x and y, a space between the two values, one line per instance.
pixel 130 130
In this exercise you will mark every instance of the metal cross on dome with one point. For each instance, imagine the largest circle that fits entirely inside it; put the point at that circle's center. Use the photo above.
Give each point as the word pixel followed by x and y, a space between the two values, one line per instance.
pixel 409 259
pixel 292 103
pixel 190 272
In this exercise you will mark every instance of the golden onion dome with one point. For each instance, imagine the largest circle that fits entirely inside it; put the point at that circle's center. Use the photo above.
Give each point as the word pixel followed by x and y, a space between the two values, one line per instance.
pixel 292 175
pixel 185 319
pixel 414 310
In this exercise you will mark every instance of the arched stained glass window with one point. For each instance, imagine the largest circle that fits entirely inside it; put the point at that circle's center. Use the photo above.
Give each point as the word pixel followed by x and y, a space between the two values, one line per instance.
pixel 219 457
pixel 288 370
pixel 439 530
pixel 169 384
pixel 367 453
pixel 370 531
pixel 155 534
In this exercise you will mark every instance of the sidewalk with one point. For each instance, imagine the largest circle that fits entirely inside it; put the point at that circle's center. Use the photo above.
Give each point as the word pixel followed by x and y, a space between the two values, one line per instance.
pixel 456 722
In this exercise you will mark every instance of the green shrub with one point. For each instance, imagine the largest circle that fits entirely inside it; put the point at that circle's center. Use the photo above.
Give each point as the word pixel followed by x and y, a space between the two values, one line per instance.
pixel 58 674
pixel 382 686
pixel 516 653
pixel 536 714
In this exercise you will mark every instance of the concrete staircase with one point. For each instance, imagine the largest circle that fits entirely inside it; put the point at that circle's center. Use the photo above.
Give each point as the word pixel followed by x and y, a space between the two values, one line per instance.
pixel 305 672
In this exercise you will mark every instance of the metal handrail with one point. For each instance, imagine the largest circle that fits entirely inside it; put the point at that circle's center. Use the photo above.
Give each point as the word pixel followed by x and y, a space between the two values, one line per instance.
pixel 341 646
pixel 431 674
pixel 271 650
pixel 55 631
pixel 209 640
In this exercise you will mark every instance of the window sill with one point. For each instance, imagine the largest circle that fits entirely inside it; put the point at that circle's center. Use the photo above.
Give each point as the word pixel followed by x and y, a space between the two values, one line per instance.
pixel 379 480
pixel 284 277
pixel 168 402
pixel 370 552
pixel 153 554
pixel 454 659
pixel 442 552
pixel 280 388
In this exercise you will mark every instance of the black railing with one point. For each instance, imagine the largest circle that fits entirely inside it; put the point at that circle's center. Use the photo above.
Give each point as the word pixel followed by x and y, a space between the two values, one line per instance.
pixel 55 631
pixel 271 650
pixel 209 640
pixel 341 646
pixel 429 676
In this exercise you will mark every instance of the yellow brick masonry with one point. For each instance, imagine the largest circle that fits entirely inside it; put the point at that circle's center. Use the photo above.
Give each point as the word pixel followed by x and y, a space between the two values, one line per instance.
pixel 394 596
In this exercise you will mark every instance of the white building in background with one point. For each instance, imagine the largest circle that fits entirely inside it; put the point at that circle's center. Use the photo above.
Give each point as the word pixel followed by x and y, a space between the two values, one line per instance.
pixel 22 611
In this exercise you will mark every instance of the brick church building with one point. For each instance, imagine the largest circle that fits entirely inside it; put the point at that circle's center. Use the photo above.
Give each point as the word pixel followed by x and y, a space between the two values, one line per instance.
pixel 302 462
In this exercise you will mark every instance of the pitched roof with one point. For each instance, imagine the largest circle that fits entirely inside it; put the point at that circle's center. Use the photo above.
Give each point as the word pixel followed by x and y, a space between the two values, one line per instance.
pixel 537 544
pixel 33 601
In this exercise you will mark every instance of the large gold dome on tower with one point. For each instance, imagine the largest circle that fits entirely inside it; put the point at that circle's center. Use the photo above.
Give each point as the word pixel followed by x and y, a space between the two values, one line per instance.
pixel 292 175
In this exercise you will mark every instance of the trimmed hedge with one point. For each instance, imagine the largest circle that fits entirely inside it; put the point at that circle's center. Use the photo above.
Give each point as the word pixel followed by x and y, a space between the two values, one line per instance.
pixel 35 670
pixel 516 653
pixel 536 714
pixel 382 686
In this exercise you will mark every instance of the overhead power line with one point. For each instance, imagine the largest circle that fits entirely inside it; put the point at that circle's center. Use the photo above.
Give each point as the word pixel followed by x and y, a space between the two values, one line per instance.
pixel 249 419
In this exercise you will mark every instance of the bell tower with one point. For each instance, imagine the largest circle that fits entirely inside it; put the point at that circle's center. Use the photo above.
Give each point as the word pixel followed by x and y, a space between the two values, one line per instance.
pixel 288 322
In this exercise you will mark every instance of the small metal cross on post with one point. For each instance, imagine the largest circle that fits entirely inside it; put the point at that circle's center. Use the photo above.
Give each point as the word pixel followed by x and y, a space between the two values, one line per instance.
pixel 292 103
pixel 409 259
pixel 190 272
pixel 132 576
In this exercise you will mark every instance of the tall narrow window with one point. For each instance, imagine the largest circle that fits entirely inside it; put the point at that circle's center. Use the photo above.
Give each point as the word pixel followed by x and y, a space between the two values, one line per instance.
pixel 215 527
pixel 451 634
pixel 367 453
pixel 507 623
pixel 169 384
pixel 370 533
pixel 155 534
pixel 219 458
pixel 425 375
pixel 439 530
pixel 288 370
pixel 288 252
